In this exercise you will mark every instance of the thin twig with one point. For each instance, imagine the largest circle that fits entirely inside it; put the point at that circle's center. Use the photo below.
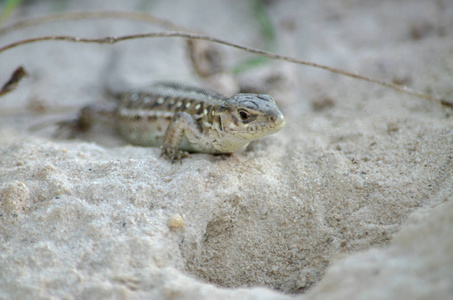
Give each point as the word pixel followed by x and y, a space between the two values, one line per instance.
pixel 124 15
pixel 113 40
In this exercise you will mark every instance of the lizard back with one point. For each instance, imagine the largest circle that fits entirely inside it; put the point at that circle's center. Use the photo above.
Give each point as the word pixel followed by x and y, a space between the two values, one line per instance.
pixel 144 115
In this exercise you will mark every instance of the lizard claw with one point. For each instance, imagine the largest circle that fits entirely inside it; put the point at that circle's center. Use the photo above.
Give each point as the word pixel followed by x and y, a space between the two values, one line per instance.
pixel 67 129
pixel 173 154
pixel 74 127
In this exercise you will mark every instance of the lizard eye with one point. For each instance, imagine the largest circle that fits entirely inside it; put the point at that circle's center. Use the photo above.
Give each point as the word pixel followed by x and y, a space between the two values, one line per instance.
pixel 244 115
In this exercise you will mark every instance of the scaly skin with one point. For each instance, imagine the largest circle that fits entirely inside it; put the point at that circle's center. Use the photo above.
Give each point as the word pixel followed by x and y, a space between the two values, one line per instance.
pixel 181 118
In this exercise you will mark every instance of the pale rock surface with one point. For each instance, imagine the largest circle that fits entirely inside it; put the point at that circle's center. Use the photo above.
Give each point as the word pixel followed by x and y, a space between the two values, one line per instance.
pixel 417 264
pixel 96 218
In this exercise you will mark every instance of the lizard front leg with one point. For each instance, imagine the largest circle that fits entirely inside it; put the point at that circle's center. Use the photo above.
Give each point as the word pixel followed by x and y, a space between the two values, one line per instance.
pixel 182 124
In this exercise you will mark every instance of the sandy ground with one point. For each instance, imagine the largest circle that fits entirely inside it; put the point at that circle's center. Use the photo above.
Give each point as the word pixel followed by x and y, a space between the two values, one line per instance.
pixel 352 200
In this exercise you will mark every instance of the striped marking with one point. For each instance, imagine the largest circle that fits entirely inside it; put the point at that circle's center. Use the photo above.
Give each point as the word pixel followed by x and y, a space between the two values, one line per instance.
pixel 133 113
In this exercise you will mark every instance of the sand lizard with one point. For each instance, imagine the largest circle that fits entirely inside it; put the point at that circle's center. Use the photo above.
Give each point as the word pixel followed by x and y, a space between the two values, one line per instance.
pixel 181 118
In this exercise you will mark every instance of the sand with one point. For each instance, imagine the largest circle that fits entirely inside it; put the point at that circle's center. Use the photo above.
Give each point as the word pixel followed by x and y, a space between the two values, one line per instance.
pixel 351 200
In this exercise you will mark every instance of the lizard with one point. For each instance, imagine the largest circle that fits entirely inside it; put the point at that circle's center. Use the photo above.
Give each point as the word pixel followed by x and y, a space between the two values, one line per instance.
pixel 183 119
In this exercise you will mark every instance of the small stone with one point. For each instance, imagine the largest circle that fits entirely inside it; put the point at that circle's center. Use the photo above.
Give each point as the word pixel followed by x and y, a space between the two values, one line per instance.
pixel 392 127
pixel 176 222
pixel 322 103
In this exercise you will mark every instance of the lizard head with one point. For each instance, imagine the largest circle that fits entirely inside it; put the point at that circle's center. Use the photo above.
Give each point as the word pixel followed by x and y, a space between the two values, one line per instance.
pixel 251 116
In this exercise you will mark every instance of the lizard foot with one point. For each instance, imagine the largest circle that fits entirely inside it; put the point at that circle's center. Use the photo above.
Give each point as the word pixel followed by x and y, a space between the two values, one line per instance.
pixel 67 129
pixel 74 127
pixel 173 154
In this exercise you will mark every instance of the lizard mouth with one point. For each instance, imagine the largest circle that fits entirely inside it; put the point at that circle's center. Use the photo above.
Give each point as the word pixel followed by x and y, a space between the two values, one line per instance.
pixel 264 128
